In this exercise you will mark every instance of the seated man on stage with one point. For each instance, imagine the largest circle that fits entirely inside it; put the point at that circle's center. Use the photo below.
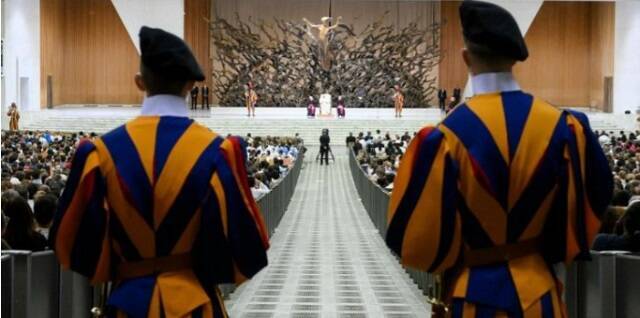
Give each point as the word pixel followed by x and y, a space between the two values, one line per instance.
pixel 311 107
pixel 341 107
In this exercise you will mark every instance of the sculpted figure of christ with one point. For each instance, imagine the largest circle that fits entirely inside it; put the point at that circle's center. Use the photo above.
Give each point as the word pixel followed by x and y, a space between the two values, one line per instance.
pixel 322 39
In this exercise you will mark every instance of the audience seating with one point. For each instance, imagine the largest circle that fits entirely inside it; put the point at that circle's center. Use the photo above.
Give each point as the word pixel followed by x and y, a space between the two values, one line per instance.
pixel 275 203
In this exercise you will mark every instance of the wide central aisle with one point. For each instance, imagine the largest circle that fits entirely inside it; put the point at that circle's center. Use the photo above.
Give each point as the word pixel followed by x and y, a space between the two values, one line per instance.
pixel 327 259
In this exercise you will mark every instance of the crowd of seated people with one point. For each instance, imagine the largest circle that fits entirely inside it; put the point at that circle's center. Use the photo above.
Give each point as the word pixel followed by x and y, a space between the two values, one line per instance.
pixel 35 167
pixel 270 160
pixel 621 223
pixel 379 155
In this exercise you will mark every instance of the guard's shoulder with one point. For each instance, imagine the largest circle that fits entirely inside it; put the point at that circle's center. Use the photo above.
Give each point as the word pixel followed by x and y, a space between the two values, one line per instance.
pixel 430 132
pixel 205 131
pixel 545 106
pixel 85 145
pixel 114 132
pixel 200 131
pixel 580 116
pixel 459 112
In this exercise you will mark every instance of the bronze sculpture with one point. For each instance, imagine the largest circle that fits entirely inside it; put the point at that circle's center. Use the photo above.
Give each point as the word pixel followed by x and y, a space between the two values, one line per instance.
pixel 325 56
pixel 288 62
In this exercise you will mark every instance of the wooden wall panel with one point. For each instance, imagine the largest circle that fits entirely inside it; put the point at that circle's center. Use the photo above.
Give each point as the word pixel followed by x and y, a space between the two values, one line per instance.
pixel 571 44
pixel 99 60
pixel 570 52
pixel 558 65
pixel 602 47
pixel 453 71
pixel 197 13
pixel 51 47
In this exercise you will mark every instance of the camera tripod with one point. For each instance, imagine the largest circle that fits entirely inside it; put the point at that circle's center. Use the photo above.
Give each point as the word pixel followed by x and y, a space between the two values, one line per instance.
pixel 330 154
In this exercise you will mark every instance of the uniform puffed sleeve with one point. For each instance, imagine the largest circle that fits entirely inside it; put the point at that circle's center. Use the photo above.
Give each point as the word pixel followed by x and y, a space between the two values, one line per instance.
pixel 424 226
pixel 79 234
pixel 589 186
pixel 242 252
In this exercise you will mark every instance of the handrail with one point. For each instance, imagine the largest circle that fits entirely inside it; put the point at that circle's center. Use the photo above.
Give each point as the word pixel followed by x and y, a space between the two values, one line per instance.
pixel 275 203
pixel 34 285
pixel 7 285
pixel 608 286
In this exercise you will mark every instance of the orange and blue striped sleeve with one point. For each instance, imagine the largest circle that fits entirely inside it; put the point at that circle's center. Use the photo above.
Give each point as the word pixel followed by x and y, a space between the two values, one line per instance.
pixel 589 186
pixel 79 234
pixel 235 152
pixel 423 223
pixel 242 240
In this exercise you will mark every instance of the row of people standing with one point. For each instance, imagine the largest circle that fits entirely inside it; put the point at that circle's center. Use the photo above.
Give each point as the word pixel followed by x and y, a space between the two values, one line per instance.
pixel 455 99
pixel 200 91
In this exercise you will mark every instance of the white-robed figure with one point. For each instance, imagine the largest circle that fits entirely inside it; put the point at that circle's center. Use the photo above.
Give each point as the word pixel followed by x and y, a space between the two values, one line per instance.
pixel 325 104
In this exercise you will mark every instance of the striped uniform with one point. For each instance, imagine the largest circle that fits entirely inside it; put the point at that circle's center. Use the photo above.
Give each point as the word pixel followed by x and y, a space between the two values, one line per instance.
pixel 251 98
pixel 14 117
pixel 154 188
pixel 501 169
pixel 398 101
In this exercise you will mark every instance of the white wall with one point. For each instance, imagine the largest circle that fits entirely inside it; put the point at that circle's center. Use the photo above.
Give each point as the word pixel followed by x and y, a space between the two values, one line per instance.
pixel 626 75
pixel 165 14
pixel 21 31
pixel 523 11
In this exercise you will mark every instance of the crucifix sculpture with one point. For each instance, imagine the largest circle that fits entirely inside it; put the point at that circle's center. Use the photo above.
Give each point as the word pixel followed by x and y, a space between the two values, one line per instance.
pixel 324 54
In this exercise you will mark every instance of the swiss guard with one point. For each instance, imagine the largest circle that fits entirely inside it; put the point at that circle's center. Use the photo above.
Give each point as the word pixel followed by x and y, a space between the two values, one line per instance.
pixel 503 188
pixel 161 206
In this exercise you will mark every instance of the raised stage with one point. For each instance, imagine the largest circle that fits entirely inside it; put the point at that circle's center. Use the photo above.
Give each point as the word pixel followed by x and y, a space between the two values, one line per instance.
pixel 271 121
pixel 233 120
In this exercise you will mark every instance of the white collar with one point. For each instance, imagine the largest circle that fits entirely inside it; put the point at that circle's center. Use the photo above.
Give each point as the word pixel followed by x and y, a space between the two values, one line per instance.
pixel 164 105
pixel 493 82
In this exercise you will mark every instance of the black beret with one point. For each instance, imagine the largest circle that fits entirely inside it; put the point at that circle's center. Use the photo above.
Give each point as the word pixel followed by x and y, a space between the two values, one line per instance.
pixel 492 29
pixel 167 55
